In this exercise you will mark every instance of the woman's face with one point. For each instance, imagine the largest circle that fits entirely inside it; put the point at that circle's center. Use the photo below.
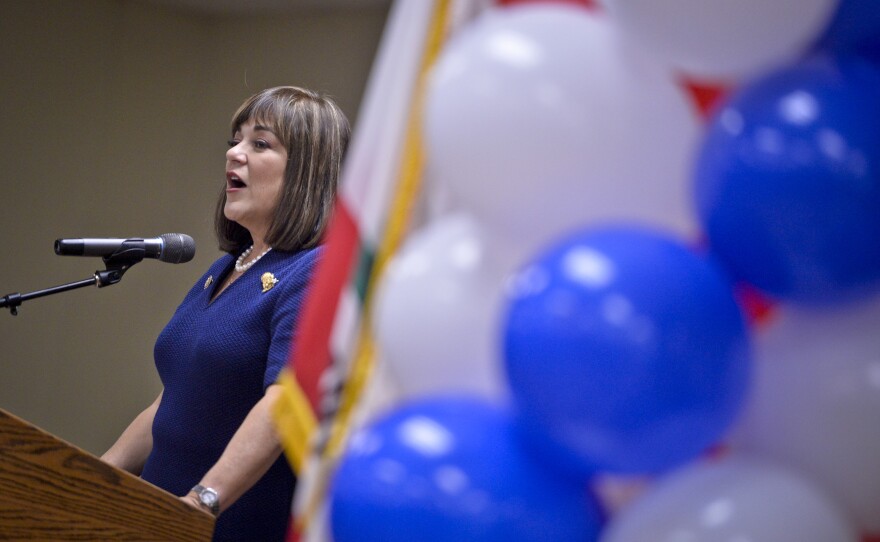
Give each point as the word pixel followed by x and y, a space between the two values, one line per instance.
pixel 255 164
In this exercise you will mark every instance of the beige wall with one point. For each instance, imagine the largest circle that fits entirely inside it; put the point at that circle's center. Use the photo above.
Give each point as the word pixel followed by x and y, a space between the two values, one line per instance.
pixel 115 119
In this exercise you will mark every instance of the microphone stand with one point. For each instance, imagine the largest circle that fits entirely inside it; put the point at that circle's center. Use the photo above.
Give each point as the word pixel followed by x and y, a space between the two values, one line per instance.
pixel 116 265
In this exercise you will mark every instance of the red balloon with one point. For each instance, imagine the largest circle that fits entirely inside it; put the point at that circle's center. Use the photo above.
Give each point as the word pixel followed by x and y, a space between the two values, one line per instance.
pixel 759 310
pixel 704 96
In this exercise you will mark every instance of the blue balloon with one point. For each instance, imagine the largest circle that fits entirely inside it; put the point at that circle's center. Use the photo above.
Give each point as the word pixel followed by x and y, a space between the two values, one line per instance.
pixel 855 28
pixel 453 470
pixel 788 181
pixel 625 351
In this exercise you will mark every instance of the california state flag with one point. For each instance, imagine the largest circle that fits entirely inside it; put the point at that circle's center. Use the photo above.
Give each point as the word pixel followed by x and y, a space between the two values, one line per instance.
pixel 333 358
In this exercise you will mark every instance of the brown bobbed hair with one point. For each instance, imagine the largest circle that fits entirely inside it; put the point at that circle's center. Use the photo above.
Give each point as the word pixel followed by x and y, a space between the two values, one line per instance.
pixel 315 133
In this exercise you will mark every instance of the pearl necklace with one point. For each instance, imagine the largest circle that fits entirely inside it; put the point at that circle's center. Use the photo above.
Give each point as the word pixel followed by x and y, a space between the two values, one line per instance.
pixel 242 267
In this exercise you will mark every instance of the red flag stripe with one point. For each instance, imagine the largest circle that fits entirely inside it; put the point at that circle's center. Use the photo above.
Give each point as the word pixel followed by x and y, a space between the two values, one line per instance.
pixel 310 355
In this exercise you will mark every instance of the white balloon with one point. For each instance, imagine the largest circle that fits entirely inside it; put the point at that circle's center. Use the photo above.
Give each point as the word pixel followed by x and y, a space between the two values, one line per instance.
pixel 437 307
pixel 540 121
pixel 723 39
pixel 734 499
pixel 815 404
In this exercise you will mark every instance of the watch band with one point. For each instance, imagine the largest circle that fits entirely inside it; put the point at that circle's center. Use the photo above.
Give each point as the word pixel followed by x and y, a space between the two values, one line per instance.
pixel 208 497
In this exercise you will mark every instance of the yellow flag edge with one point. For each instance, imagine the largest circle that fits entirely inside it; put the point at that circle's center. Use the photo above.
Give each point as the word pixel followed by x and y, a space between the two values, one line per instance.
pixel 294 419
pixel 408 184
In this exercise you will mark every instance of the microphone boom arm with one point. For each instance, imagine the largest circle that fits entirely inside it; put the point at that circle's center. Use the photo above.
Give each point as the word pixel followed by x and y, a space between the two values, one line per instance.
pixel 116 265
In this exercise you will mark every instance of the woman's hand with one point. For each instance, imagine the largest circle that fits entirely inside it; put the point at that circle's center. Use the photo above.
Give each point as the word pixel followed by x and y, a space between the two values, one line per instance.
pixel 193 500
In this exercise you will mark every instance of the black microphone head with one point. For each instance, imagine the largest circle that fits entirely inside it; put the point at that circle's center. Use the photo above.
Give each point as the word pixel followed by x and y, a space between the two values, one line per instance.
pixel 177 248
pixel 69 247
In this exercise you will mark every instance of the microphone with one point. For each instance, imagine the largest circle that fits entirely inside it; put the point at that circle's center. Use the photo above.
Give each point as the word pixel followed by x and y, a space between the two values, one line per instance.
pixel 169 247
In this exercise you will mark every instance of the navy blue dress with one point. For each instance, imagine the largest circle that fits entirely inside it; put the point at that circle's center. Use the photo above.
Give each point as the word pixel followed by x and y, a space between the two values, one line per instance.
pixel 215 359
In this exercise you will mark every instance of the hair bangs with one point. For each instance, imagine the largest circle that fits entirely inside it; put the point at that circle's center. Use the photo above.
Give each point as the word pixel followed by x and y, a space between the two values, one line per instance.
pixel 269 110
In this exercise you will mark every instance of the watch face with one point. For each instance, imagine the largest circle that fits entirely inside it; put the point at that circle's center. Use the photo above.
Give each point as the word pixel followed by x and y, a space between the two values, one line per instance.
pixel 208 497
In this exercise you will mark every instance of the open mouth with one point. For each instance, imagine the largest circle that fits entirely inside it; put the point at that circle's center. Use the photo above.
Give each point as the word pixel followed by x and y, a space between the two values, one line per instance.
pixel 234 181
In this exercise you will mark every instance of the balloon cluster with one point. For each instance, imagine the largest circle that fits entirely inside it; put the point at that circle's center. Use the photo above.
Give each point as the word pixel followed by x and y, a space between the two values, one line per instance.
pixel 576 314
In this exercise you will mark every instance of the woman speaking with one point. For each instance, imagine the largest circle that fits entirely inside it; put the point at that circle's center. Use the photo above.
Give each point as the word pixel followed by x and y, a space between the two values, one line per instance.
pixel 209 435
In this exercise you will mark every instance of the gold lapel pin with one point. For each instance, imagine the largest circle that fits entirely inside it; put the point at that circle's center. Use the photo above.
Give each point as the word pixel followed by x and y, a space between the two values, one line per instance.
pixel 209 281
pixel 268 280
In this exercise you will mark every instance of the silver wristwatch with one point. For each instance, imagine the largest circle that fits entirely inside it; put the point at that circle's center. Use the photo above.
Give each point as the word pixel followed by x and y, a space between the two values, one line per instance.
pixel 208 497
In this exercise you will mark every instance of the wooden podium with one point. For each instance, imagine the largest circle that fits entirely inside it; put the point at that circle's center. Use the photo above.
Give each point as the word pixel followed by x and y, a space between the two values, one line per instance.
pixel 50 490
